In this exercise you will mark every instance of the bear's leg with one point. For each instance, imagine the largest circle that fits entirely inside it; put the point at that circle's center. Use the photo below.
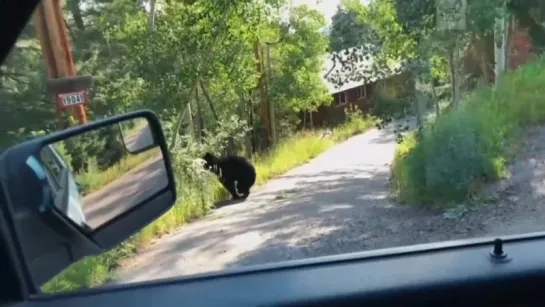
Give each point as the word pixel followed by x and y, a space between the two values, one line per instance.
pixel 245 191
pixel 230 186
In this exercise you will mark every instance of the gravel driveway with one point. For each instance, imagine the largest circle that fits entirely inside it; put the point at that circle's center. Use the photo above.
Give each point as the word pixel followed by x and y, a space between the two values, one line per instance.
pixel 336 203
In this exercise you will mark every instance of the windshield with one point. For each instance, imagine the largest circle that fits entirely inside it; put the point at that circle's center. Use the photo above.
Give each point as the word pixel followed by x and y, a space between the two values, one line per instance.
pixel 362 124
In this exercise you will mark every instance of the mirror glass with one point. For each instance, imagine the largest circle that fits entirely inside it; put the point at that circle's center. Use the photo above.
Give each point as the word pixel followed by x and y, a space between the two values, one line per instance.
pixel 94 178
pixel 136 135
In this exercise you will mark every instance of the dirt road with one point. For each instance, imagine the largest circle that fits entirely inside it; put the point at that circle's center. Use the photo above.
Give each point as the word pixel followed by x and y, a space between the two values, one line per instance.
pixel 125 192
pixel 335 204
pixel 139 139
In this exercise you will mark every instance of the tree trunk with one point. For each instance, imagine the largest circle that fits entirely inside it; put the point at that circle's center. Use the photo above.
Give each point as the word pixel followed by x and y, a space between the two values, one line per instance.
pixel 251 119
pixel 209 102
pixel 199 115
pixel 482 55
pixel 248 136
pixel 484 67
pixel 263 106
pixel 191 122
pixel 454 75
pixel 178 126
pixel 434 94
pixel 415 98
pixel 499 46
pixel 269 101
pixel 151 18
pixel 180 119
pixel 435 100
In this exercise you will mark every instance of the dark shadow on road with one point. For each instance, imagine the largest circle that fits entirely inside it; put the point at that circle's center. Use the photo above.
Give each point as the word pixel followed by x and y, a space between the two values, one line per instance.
pixel 227 202
pixel 340 217
pixel 349 206
pixel 386 137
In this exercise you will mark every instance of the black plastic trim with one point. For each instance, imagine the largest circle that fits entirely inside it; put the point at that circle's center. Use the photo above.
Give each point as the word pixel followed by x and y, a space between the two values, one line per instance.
pixel 447 274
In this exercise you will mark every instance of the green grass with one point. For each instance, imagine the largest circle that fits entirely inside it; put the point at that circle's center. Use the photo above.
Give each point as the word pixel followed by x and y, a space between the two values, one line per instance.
pixel 471 145
pixel 288 154
pixel 303 146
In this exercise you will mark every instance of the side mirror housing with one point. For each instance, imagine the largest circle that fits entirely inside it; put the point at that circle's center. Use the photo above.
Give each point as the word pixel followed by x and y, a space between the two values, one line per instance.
pixel 81 191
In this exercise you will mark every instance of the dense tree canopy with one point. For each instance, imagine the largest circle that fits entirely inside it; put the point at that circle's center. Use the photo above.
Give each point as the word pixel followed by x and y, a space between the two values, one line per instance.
pixel 213 56
pixel 347 32
pixel 205 62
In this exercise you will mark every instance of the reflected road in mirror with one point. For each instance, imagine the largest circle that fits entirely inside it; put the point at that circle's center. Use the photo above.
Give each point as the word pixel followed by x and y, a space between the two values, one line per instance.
pixel 120 195
pixel 137 138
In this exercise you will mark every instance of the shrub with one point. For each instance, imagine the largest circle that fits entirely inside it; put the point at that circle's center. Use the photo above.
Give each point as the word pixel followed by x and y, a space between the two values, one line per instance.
pixel 392 100
pixel 466 146
pixel 356 122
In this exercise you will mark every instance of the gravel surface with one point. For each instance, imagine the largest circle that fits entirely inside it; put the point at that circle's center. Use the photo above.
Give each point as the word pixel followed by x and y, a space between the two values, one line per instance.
pixel 339 202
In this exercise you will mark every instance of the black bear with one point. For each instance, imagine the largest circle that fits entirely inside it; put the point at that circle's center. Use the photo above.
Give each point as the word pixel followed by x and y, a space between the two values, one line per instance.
pixel 235 173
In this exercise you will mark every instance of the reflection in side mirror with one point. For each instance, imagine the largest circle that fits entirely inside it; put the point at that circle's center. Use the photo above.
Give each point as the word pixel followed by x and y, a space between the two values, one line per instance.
pixel 93 177
pixel 80 187
pixel 136 135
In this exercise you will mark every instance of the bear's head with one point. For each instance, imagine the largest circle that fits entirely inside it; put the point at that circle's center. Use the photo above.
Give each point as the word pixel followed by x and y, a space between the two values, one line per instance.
pixel 211 162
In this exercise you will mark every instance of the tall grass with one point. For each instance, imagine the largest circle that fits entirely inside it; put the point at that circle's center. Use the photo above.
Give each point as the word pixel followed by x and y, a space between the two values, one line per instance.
pixel 195 201
pixel 471 144
pixel 290 153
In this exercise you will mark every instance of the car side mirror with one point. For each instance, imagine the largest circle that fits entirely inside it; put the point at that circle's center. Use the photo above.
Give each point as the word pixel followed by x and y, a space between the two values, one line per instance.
pixel 82 191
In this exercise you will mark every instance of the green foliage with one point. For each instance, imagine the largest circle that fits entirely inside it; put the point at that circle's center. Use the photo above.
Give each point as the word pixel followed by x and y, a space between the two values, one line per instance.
pixel 25 107
pixel 468 145
pixel 356 122
pixel 104 146
pixel 297 82
pixel 388 103
pixel 396 43
pixel 416 17
pixel 347 32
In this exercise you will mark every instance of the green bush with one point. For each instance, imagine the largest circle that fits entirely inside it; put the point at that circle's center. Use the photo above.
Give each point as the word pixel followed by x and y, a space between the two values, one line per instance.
pixel 469 145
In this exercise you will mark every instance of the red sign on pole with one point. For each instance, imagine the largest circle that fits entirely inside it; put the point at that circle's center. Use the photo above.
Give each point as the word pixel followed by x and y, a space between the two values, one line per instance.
pixel 67 100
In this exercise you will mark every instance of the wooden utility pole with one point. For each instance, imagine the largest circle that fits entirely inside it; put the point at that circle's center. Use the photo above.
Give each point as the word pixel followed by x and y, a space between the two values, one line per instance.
pixel 269 100
pixel 264 105
pixel 57 53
